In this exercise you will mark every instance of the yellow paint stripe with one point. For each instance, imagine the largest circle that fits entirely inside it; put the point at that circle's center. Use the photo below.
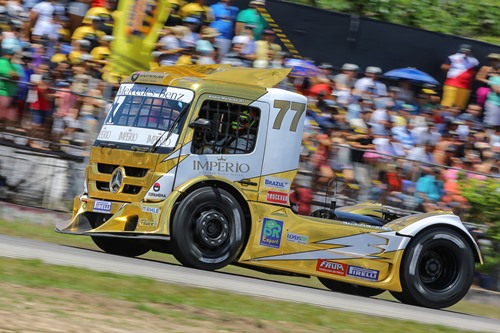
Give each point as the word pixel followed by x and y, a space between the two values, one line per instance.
pixel 279 33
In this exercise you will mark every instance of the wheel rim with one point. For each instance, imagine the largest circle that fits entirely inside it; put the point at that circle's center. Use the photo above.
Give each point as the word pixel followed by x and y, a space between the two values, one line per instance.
pixel 211 229
pixel 439 268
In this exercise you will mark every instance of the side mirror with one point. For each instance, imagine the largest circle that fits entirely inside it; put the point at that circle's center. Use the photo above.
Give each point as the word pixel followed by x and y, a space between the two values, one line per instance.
pixel 201 123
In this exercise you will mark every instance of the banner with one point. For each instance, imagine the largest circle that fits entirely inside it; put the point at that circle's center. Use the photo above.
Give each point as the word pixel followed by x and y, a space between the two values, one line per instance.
pixel 136 31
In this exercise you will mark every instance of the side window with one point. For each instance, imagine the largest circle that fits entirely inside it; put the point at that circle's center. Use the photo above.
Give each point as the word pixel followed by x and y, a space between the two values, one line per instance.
pixel 233 129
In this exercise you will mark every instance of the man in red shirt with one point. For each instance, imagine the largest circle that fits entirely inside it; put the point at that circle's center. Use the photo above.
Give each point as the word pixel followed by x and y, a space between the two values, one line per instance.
pixel 460 68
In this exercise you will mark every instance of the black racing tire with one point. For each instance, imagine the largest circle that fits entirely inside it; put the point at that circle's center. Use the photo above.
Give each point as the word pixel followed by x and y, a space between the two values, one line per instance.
pixel 437 269
pixel 208 229
pixel 349 288
pixel 122 246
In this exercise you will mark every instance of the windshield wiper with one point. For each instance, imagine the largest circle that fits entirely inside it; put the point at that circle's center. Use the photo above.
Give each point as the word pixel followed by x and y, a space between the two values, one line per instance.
pixel 159 141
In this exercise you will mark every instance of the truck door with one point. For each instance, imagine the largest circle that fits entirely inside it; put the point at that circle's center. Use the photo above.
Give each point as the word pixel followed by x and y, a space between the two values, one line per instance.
pixel 231 146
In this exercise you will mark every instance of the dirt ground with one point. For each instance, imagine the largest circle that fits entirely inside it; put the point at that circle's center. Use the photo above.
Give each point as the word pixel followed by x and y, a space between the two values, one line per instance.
pixel 25 309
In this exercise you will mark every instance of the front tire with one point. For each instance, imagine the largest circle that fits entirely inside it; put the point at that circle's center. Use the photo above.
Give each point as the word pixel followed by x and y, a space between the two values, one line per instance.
pixel 437 269
pixel 349 288
pixel 208 229
pixel 121 246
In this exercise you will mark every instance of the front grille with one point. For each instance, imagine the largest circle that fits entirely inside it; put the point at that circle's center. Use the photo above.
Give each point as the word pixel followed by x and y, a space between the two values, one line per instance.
pixel 135 172
pixel 131 189
pixel 106 168
pixel 102 186
pixel 129 171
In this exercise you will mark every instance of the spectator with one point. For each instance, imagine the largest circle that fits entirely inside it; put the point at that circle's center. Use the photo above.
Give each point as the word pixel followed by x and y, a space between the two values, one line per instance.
pixel 371 84
pixel 76 12
pixel 8 88
pixel 346 79
pixel 199 10
pixel 40 105
pixel 205 47
pixel 41 20
pixel 459 68
pixel 267 51
pixel 169 44
pixel 104 12
pixel 251 16
pixel 429 188
pixel 235 57
pixel 224 19
pixel 89 31
pixel 102 52
pixel 174 17
pixel 492 104
pixel 483 76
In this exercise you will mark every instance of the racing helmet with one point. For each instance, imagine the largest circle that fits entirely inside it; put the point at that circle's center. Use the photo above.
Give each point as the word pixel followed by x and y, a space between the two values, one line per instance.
pixel 246 119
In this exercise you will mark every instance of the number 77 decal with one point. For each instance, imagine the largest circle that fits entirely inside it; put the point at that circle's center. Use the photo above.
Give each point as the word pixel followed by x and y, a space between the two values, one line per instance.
pixel 284 107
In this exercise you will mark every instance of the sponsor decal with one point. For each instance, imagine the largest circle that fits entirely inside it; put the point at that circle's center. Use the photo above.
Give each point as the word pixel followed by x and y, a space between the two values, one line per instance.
pixel 156 187
pixel 147 223
pixel 271 233
pixel 363 273
pixel 296 238
pixel 104 135
pixel 278 183
pixel 102 206
pixel 128 136
pixel 153 210
pixel 221 165
pixel 150 91
pixel 277 197
pixel 331 267
pixel 227 99
pixel 156 195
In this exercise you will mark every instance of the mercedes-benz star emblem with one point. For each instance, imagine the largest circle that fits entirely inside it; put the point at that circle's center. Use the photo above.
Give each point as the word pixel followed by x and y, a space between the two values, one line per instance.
pixel 115 184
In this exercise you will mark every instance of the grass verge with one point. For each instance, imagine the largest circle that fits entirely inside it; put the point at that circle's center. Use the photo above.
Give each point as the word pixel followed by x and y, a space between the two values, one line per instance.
pixel 158 300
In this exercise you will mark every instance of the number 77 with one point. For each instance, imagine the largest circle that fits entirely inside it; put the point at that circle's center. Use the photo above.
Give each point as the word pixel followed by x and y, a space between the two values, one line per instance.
pixel 284 107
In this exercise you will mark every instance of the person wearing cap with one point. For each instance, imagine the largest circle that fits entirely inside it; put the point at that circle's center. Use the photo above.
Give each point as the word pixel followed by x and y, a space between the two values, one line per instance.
pixel 80 47
pixel 89 31
pixel 267 50
pixel 102 52
pixel 370 84
pixel 459 68
pixel 251 16
pixel 197 9
pixel 205 46
pixel 224 19
pixel 347 78
pixel 234 57
pixel 104 13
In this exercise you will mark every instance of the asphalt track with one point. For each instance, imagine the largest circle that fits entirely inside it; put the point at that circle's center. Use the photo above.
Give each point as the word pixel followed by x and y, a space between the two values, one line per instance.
pixel 98 261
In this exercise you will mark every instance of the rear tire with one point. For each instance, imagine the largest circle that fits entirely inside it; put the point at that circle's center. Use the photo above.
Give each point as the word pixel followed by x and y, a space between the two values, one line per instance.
pixel 121 246
pixel 208 229
pixel 437 269
pixel 349 288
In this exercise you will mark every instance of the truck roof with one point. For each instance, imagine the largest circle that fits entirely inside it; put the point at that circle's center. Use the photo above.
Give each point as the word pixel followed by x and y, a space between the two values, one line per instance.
pixel 195 77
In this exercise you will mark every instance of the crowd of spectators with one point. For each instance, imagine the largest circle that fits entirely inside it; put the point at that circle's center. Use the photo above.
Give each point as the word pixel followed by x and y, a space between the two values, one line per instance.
pixel 395 141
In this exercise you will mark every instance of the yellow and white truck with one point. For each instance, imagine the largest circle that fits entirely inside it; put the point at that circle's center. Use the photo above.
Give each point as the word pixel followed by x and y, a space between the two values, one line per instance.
pixel 198 161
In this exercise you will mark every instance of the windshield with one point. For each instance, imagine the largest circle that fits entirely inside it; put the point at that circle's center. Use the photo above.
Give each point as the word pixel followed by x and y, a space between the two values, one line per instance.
pixel 140 115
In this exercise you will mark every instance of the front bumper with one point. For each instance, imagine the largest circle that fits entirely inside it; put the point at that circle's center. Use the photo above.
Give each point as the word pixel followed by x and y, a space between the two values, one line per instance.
pixel 95 217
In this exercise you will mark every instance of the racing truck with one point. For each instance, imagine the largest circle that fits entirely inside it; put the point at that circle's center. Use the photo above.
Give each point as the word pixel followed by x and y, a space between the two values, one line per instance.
pixel 199 161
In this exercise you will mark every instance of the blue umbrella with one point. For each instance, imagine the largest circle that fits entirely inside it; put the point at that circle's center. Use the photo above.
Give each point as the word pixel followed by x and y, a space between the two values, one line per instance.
pixel 302 68
pixel 412 74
